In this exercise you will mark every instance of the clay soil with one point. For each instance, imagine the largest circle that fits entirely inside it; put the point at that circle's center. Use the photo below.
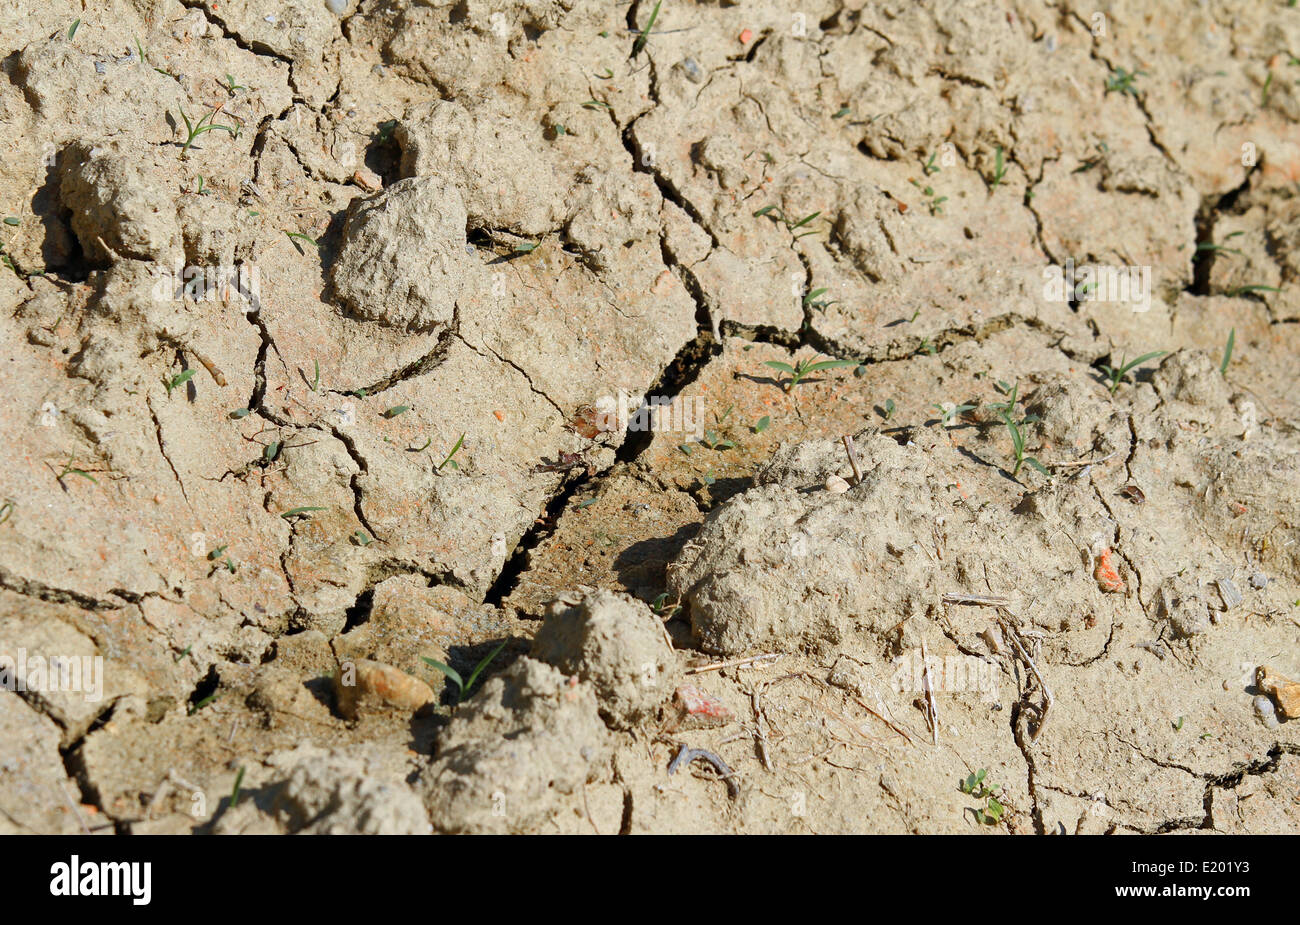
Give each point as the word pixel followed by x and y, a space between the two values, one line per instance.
pixel 324 328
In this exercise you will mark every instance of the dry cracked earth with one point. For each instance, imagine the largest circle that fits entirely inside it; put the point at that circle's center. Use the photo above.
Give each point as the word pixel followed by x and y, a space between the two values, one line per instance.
pixel 319 320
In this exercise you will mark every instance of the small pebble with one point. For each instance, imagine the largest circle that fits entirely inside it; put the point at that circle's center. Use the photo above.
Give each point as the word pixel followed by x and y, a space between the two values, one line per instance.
pixel 100 67
pixel 745 36
pixel 836 485
pixel 694 73
pixel 1259 581
pixel 1265 712
pixel 337 7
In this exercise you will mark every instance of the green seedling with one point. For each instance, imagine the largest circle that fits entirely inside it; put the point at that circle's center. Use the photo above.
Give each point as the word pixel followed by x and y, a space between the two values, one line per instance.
pixel 804 368
pixel 811 300
pixel 1116 374
pixel 928 346
pixel 396 410
pixel 234 793
pixel 239 413
pixel 300 512
pixel 662 608
pixel 12 222
pixel 68 470
pixel 1227 352
pixel 1248 290
pixel 177 380
pixel 1263 97
pixel 361 538
pixel 204 125
pixel 992 811
pixel 1220 248
pixel 296 236
pixel 184 652
pixel 946 414
pixel 792 225
pixel 6 511
pixel 1121 81
pixel 527 247
pixel 713 441
pixel 843 111
pixel 763 424
pixel 930 167
pixel 644 35
pixel 194 708
pixel 72 30
pixel 1178 726
pixel 463 686
pixel 454 450
pixel 999 169
pixel 315 383
pixel 428 442
pixel 889 408
pixel 933 203
pixel 594 103
pixel 232 86
pixel 1006 410
pixel 684 448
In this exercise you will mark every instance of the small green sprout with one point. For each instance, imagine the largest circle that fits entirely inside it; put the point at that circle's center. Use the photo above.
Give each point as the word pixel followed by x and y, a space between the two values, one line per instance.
pixel 889 408
pixel 1006 411
pixel 804 368
pixel 791 225
pixel 69 469
pixel 177 380
pixel 662 608
pixel 463 686
pixel 234 793
pixel 6 510
pixel 1121 81
pixel 1220 248
pixel 362 538
pixel 713 441
pixel 684 448
pixel 296 236
pixel 1227 352
pixel 843 111
pixel 992 811
pixel 300 512
pixel 72 30
pixel 396 410
pixel 930 167
pixel 196 707
pixel 933 202
pixel 184 652
pixel 205 124
pixel 763 424
pixel 315 383
pixel 1178 726
pixel 454 450
pixel 999 169
pixel 232 86
pixel 12 222
pixel 644 35
pixel 1249 290
pixel 1116 374
pixel 948 412
pixel 526 247
pixel 239 413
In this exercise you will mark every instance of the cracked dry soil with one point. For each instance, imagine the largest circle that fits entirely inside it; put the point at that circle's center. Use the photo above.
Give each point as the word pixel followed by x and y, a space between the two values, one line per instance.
pixel 310 315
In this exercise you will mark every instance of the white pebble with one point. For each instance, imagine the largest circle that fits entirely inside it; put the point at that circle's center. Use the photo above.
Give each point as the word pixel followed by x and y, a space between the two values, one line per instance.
pixel 836 485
